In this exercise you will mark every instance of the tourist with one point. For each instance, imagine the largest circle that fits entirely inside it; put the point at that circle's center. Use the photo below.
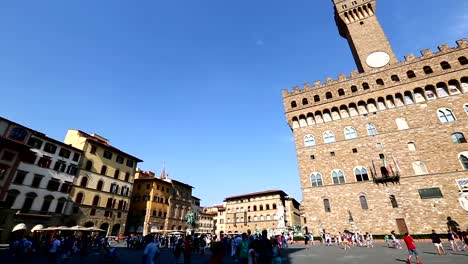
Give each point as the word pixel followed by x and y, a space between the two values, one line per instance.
pixel 437 243
pixel 396 242
pixel 411 249
pixel 151 252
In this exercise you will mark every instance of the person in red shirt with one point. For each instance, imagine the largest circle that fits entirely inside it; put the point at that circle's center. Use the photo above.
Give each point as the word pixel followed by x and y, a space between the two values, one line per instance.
pixel 411 249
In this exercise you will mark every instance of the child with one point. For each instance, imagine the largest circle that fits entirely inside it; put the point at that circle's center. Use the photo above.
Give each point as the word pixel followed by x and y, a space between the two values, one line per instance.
pixel 411 249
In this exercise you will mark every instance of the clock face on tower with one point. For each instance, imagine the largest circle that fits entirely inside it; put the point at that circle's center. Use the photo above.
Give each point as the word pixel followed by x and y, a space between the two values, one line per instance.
pixel 378 59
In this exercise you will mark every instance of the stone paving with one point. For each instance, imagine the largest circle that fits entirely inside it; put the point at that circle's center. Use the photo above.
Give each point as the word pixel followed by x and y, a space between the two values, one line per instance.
pixel 295 254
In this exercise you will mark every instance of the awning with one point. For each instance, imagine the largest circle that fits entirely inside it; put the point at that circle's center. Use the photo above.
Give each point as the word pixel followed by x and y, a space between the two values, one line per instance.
pixel 19 227
pixel 36 228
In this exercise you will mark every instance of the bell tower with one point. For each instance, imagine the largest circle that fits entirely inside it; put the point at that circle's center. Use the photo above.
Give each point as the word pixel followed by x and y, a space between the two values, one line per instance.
pixel 357 22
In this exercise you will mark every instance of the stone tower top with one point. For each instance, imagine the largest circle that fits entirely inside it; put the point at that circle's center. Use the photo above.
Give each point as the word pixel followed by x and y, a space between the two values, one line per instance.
pixel 357 22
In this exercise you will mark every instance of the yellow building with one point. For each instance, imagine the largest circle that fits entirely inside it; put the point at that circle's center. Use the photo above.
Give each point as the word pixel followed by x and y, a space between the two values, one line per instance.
pixel 102 189
pixel 150 203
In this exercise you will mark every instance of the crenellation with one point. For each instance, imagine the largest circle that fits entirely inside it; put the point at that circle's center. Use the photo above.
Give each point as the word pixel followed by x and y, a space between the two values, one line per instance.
pixel 426 52
pixel 409 57
pixel 443 47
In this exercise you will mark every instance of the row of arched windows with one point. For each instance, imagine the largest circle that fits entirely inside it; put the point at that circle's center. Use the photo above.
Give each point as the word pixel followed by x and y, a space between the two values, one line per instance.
pixel 418 95
pixel 31 199
pixel 380 82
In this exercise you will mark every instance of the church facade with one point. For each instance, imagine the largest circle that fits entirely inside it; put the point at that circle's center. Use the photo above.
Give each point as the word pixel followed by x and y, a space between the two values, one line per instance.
pixel 384 148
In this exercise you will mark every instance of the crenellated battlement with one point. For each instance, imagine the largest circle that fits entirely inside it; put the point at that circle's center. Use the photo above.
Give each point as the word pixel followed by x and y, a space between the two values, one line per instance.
pixel 381 73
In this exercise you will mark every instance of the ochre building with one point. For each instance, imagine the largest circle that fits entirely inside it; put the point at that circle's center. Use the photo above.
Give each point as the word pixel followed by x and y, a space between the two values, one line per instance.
pixel 101 192
pixel 384 148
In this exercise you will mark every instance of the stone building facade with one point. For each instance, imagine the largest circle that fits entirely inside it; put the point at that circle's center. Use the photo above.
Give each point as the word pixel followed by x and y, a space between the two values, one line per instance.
pixel 268 210
pixel 101 192
pixel 384 148
pixel 149 205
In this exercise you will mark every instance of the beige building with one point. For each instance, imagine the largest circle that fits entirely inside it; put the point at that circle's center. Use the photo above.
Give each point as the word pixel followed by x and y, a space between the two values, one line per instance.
pixel 384 148
pixel 271 210
pixel 102 189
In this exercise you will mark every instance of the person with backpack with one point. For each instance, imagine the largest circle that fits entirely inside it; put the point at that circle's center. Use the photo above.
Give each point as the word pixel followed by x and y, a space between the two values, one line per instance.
pixel 243 249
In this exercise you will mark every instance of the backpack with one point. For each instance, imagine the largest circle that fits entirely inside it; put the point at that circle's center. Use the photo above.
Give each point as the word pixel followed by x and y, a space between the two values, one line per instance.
pixel 243 249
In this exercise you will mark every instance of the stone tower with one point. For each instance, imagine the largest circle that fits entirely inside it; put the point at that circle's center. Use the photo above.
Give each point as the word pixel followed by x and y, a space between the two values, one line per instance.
pixel 357 22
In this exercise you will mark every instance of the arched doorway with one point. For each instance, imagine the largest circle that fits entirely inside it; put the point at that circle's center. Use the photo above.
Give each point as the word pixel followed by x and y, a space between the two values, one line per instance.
pixel 115 230
pixel 104 227
pixel 89 224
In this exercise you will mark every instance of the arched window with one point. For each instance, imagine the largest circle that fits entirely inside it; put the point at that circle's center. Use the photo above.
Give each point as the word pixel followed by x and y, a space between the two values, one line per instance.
pixel 350 132
pixel 341 92
pixel 46 204
pixel 458 138
pixel 309 140
pixel 11 198
pixel 96 200
pixel 103 169
pixel 338 177
pixel 401 123
pixel 464 160
pixel 445 65
pixel 316 98
pixel 427 70
pixel 393 201
pixel 328 136
pixel 353 88
pixel 395 78
pixel 379 82
pixel 411 146
pixel 99 185
pixel 329 95
pixel 293 104
pixel 326 205
pixel 79 198
pixel 363 201
pixel 365 86
pixel 84 182
pixel 361 174
pixel 371 130
pixel 305 101
pixel 315 180
pixel 60 204
pixel 410 74
pixel 419 168
pixel 28 202
pixel 463 60
pixel 445 115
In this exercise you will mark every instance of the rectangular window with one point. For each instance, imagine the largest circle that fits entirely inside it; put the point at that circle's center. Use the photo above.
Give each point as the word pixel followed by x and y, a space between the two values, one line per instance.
pixel 37 180
pixel 119 160
pixel 35 143
pixel 93 149
pixel 8 156
pixel 65 188
pixel 60 166
pixel 430 193
pixel 20 175
pixel 76 156
pixel 50 148
pixel 107 154
pixel 130 163
pixel 64 153
pixel 53 184
pixel 44 162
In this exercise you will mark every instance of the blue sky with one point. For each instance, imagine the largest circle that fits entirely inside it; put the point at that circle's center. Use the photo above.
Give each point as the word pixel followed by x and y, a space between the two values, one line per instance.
pixel 194 84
